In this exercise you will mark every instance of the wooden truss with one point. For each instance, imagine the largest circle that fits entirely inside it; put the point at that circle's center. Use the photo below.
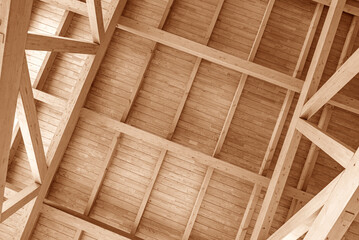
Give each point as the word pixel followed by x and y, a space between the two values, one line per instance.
pixel 333 209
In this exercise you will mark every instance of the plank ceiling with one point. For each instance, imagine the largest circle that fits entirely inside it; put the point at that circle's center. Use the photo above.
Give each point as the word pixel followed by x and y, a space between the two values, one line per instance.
pixel 156 190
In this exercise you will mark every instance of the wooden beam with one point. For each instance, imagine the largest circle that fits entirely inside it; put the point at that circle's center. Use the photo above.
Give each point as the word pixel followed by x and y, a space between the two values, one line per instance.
pixel 345 103
pixel 41 77
pixel 19 200
pixel 293 137
pixel 15 17
pixel 136 88
pixel 96 20
pixel 29 125
pixel 106 163
pixel 339 151
pixel 114 125
pixel 174 125
pixel 348 8
pixel 58 213
pixel 278 128
pixel 49 99
pixel 339 79
pixel 211 54
pixel 68 122
pixel 311 160
pixel 312 208
pixel 346 218
pixel 338 200
pixel 323 122
pixel 42 42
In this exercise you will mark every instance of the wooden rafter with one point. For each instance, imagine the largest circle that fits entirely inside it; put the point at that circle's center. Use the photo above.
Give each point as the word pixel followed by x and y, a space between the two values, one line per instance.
pixel 42 76
pixel 339 79
pixel 29 125
pixel 96 20
pixel 338 200
pixel 100 178
pixel 211 54
pixel 71 114
pixel 323 125
pixel 293 137
pixel 42 42
pixel 114 125
pixel 136 88
pixel 278 128
pixel 15 18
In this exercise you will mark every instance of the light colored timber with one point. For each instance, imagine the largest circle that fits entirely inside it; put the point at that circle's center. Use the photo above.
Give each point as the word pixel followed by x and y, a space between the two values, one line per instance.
pixel 68 122
pixel 211 54
pixel 346 218
pixel 348 8
pixel 292 139
pixel 106 164
pixel 29 125
pixel 172 130
pixel 311 209
pixel 41 77
pixel 100 178
pixel 242 81
pixel 96 20
pixel 98 229
pixel 42 42
pixel 323 123
pixel 311 159
pixel 19 200
pixel 339 79
pixel 278 128
pixel 333 147
pixel 346 103
pixel 112 124
pixel 49 99
pixel 15 17
pixel 136 88
pixel 338 200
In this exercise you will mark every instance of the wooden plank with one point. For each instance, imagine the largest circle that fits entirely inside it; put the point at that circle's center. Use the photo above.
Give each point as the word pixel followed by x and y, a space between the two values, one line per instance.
pixel 338 200
pixel 346 218
pixel 96 228
pixel 346 103
pixel 42 42
pixel 103 171
pixel 348 8
pixel 68 122
pixel 339 79
pixel 211 54
pixel 112 124
pixel 136 88
pixel 172 130
pixel 349 41
pixel 96 20
pixel 41 77
pixel 15 17
pixel 29 125
pixel 19 200
pixel 242 81
pixel 311 159
pixel 49 99
pixel 278 128
pixel 312 208
pixel 293 137
pixel 339 151
pixel 70 5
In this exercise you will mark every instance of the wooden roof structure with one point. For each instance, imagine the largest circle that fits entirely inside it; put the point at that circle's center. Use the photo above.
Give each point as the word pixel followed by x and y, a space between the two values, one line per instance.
pixel 179 119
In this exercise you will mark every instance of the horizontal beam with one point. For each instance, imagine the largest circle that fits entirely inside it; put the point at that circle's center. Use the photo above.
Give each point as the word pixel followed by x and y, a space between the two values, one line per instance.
pixel 49 99
pixel 335 83
pixel 211 54
pixel 19 200
pixel 111 124
pixel 310 209
pixel 80 7
pixel 345 103
pixel 42 42
pixel 58 213
pixel 333 147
